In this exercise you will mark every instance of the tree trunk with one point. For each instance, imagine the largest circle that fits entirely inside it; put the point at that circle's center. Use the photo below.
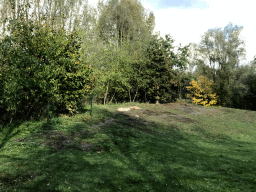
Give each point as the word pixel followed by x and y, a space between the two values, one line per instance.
pixel 180 91
pixel 105 97
pixel 48 113
pixel 135 94
pixel 26 11
pixel 112 98
pixel 145 96
pixel 18 7
pixel 38 11
pixel 130 95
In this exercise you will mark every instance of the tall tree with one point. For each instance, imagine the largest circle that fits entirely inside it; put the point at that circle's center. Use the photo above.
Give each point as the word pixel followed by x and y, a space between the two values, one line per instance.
pixel 162 69
pixel 68 14
pixel 223 50
pixel 124 20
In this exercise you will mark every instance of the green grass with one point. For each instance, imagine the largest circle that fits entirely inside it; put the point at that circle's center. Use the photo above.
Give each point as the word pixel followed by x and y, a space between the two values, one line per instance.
pixel 164 148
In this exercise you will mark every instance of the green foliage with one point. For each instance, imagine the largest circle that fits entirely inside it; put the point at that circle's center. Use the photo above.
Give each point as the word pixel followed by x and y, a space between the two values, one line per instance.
pixel 56 13
pixel 202 92
pixel 250 96
pixel 159 70
pixel 41 65
pixel 242 87
pixel 133 64
pixel 108 72
pixel 119 58
pixel 125 20
pixel 221 51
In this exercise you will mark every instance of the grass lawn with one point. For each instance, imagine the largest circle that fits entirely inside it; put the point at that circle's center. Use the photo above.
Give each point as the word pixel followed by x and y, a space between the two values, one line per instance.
pixel 167 147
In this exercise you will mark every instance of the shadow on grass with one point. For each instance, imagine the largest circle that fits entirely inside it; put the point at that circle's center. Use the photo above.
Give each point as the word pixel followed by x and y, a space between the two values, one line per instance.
pixel 138 156
pixel 8 133
pixel 7 129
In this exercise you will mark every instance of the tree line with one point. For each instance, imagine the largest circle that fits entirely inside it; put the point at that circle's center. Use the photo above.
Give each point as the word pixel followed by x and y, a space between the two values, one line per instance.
pixel 217 57
pixel 63 51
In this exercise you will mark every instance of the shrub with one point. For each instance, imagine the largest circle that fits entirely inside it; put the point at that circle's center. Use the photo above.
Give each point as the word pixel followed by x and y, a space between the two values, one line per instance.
pixel 40 65
pixel 202 92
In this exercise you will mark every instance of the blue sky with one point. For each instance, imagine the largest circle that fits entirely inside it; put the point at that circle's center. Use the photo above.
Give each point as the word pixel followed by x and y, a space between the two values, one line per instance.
pixel 181 4
pixel 187 20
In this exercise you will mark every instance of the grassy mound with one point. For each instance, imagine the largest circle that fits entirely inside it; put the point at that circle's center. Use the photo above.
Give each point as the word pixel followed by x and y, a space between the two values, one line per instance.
pixel 170 147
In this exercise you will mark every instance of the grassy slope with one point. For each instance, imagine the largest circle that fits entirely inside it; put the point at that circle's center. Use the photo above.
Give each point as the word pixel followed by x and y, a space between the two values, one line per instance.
pixel 166 148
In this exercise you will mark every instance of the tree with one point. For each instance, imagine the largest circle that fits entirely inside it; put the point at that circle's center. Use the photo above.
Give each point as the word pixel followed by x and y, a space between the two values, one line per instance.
pixel 124 20
pixel 133 64
pixel 58 14
pixel 223 50
pixel 250 96
pixel 117 50
pixel 195 58
pixel 41 65
pixel 111 77
pixel 202 92
pixel 243 87
pixel 183 61
pixel 162 69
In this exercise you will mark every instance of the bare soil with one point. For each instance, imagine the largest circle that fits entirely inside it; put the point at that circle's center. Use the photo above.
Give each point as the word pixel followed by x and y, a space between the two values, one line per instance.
pixel 162 111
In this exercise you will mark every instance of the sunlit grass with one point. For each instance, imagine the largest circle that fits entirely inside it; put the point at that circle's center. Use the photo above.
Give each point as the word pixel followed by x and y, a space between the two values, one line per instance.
pixel 167 148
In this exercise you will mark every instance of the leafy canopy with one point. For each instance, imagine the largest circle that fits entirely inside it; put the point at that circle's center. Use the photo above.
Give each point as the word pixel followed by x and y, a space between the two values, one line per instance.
pixel 41 65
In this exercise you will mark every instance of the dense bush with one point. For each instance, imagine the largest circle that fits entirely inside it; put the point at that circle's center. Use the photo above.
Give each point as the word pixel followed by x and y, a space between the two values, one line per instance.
pixel 202 92
pixel 38 65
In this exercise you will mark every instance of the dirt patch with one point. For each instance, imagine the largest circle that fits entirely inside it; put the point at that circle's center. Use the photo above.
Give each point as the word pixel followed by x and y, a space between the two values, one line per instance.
pixel 190 110
pixel 60 140
pixel 105 123
pixel 162 113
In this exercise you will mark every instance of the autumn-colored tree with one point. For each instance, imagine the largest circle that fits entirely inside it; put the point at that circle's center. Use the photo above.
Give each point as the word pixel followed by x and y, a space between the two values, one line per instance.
pixel 202 92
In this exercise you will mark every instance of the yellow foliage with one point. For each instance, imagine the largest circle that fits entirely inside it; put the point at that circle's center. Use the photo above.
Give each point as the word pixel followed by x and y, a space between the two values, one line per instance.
pixel 202 93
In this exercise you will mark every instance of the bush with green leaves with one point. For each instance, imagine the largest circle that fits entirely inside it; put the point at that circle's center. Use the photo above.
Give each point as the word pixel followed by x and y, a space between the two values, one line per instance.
pixel 39 64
